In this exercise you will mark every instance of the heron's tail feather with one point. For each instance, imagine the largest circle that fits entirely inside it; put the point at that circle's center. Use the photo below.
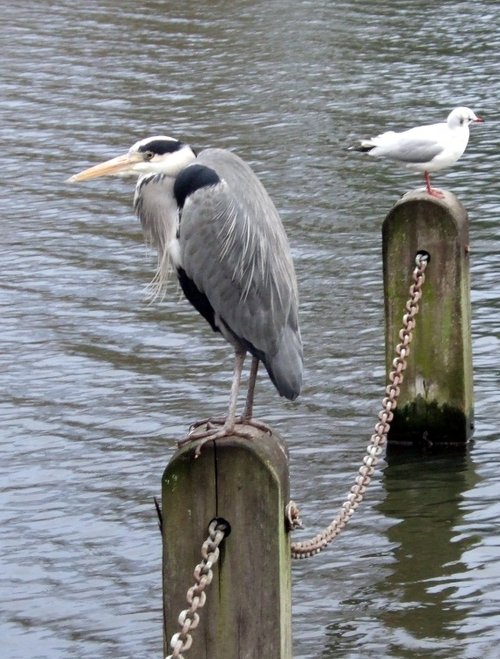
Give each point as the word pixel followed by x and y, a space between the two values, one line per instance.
pixel 285 367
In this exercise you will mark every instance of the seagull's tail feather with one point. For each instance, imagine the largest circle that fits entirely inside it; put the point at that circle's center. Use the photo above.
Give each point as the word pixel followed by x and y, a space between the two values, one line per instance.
pixel 364 146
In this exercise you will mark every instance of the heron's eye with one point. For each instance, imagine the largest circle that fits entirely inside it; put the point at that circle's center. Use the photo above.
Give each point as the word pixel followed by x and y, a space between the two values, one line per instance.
pixel 148 155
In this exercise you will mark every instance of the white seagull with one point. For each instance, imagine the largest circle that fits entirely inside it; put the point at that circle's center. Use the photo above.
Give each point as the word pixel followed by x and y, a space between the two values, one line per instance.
pixel 425 148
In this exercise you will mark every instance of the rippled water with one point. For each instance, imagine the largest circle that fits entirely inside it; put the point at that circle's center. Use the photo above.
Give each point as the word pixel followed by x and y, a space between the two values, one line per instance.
pixel 97 384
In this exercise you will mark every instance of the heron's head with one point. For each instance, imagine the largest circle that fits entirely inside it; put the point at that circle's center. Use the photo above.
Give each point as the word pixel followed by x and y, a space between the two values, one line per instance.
pixel 462 117
pixel 153 155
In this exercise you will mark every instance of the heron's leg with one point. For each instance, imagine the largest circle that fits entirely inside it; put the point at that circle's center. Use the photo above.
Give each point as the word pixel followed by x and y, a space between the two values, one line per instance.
pixel 227 428
pixel 246 418
pixel 252 379
pixel 239 360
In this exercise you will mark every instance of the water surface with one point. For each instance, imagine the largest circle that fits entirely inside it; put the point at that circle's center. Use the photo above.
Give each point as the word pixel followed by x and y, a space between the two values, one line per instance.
pixel 97 384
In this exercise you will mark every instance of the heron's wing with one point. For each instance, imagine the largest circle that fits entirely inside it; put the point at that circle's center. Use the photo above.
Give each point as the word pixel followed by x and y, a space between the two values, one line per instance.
pixel 417 145
pixel 234 249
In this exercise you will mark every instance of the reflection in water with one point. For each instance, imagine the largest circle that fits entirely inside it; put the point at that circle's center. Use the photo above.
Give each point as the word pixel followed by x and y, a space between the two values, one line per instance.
pixel 427 550
pixel 415 609
pixel 97 384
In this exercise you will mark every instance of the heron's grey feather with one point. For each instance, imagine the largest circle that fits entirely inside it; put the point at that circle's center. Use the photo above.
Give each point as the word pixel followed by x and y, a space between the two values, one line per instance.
pixel 156 208
pixel 234 248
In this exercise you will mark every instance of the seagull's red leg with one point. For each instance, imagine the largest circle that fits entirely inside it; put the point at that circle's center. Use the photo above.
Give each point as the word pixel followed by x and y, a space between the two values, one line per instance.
pixel 428 182
pixel 432 191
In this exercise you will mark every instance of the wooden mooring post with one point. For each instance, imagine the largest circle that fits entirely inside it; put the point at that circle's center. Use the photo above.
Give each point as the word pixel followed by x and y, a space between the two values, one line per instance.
pixel 436 402
pixel 247 614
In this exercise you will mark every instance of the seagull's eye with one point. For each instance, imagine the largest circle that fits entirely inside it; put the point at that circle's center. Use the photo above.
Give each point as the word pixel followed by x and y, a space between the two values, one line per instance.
pixel 148 155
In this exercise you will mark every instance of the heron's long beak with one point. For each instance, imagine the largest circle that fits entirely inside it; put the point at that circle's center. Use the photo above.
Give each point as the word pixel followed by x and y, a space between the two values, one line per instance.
pixel 119 165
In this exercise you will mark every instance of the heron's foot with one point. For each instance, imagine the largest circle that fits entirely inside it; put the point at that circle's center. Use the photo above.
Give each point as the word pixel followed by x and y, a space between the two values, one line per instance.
pixel 212 432
pixel 217 428
pixel 259 425
pixel 210 422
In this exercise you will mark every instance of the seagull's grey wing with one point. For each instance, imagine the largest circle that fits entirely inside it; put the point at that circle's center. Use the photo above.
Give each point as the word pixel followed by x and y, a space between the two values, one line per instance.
pixel 235 251
pixel 406 148
pixel 415 146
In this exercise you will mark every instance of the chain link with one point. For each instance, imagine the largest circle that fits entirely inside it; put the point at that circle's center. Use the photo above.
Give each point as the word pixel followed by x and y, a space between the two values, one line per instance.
pixel 218 529
pixel 379 438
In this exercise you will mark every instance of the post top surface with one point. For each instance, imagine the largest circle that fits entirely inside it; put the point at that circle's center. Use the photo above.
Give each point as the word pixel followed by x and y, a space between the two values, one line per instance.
pixel 449 201
pixel 263 445
pixel 417 205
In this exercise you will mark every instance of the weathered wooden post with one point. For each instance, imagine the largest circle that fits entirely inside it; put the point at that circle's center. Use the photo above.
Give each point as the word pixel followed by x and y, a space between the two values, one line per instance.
pixel 436 401
pixel 248 607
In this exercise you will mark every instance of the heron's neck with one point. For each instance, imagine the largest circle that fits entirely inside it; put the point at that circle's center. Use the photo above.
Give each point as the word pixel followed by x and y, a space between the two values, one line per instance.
pixel 155 205
pixel 157 211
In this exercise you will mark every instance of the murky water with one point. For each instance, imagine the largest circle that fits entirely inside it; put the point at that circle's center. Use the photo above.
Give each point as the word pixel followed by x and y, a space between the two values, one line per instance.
pixel 97 384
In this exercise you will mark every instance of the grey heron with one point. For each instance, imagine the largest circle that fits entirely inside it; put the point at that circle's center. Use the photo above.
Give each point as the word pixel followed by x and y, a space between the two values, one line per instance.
pixel 425 148
pixel 212 221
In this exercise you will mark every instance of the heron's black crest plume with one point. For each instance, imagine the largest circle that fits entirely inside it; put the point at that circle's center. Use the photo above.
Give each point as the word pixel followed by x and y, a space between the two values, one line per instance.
pixel 160 147
pixel 193 178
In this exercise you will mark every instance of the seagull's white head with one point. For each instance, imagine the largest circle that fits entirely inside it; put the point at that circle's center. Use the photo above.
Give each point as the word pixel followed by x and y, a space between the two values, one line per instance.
pixel 462 116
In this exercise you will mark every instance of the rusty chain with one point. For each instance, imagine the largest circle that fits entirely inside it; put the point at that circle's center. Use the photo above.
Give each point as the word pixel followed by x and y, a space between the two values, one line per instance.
pixel 378 440
pixel 180 642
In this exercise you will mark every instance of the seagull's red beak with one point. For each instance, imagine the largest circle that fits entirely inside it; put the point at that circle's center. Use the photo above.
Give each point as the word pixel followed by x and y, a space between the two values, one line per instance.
pixel 479 120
